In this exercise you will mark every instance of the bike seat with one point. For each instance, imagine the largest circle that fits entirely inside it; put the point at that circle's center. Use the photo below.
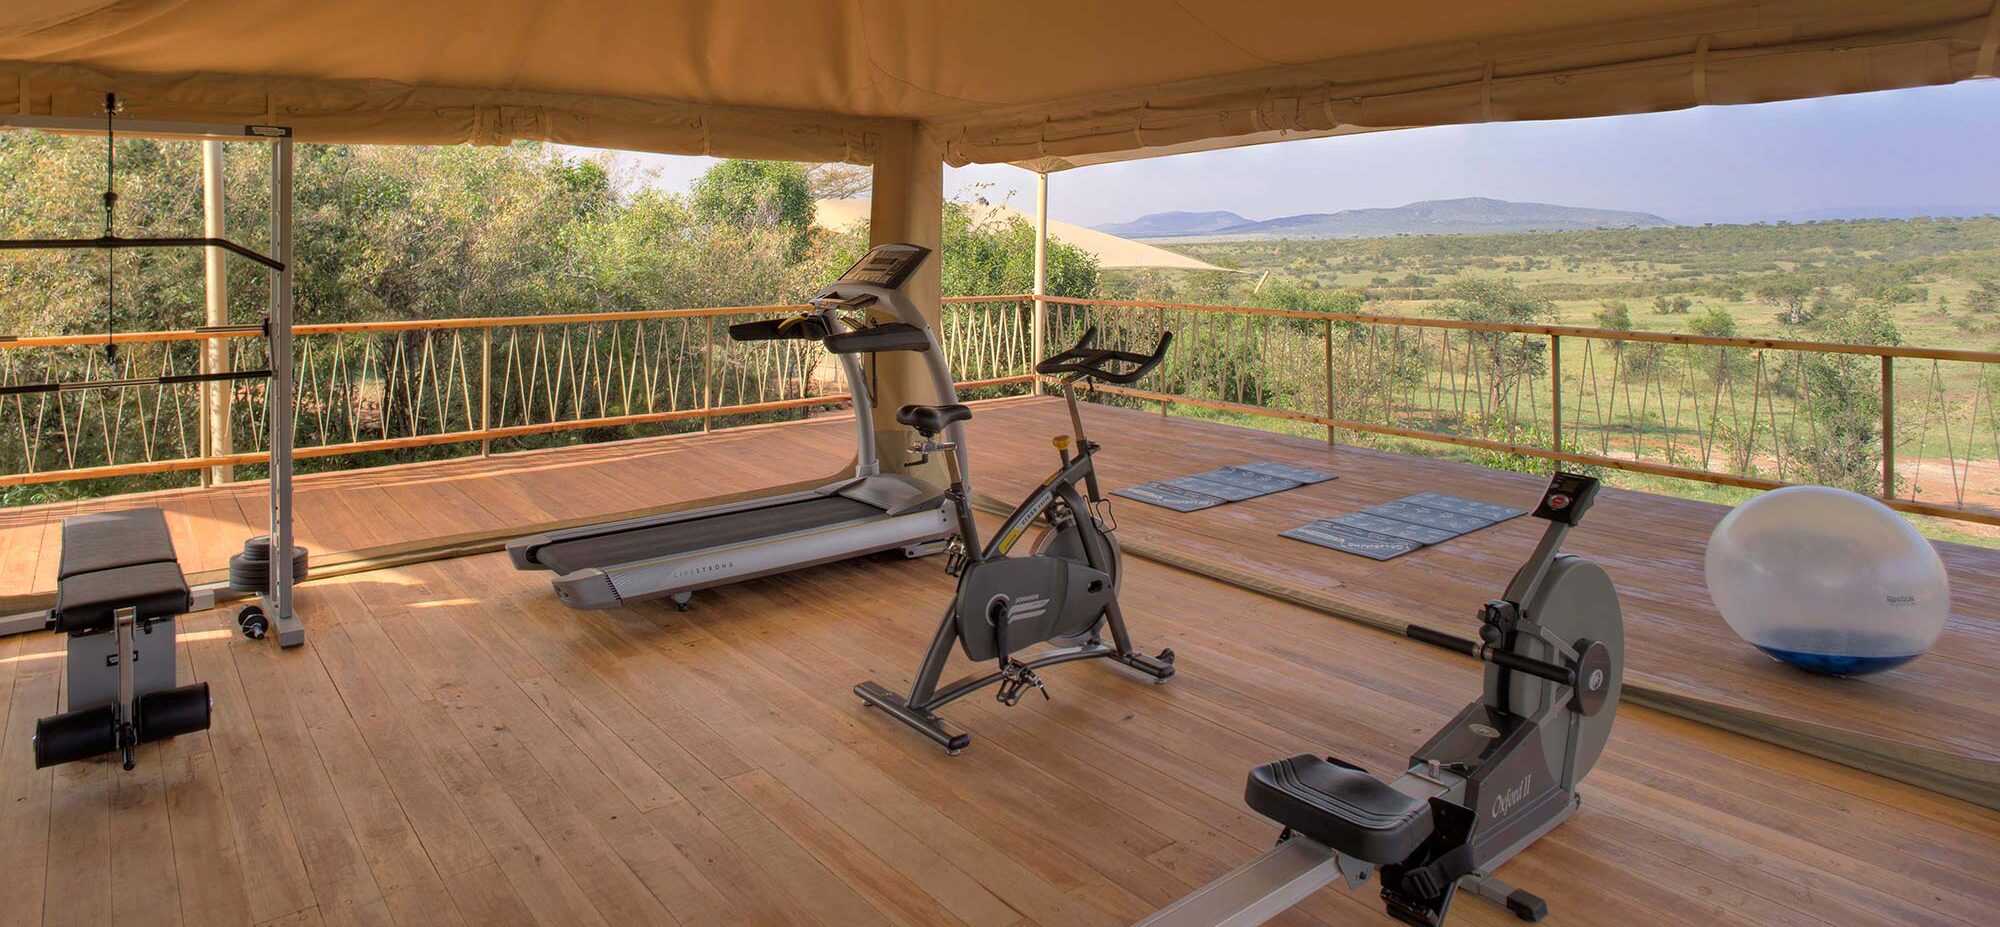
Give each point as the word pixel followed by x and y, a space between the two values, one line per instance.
pixel 1345 808
pixel 929 420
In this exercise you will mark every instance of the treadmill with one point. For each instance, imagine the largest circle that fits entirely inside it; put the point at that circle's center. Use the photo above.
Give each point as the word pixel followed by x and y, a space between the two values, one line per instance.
pixel 865 312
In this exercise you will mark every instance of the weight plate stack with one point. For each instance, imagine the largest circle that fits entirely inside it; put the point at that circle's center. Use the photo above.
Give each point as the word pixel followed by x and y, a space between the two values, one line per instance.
pixel 250 571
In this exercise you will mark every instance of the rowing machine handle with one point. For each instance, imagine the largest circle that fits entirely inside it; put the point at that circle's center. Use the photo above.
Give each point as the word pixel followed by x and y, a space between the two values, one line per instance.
pixel 1553 672
pixel 1089 363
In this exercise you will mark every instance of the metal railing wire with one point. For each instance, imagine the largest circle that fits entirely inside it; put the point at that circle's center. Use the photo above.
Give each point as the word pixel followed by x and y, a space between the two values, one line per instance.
pixel 1917 427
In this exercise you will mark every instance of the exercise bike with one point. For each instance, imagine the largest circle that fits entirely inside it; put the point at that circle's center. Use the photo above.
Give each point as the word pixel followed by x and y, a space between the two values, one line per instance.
pixel 1065 591
pixel 1499 776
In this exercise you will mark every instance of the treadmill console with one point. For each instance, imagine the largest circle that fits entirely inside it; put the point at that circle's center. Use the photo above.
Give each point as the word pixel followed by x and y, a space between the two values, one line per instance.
pixel 886 266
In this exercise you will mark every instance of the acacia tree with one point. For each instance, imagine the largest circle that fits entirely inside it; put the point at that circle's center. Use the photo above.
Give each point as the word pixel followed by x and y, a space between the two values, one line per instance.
pixel 1842 400
pixel 1505 358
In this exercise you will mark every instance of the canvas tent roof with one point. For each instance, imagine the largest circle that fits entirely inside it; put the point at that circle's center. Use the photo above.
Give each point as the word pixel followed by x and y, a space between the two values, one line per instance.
pixel 1110 250
pixel 1024 80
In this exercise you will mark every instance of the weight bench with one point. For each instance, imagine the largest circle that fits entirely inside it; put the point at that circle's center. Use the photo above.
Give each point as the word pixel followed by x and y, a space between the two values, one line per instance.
pixel 118 592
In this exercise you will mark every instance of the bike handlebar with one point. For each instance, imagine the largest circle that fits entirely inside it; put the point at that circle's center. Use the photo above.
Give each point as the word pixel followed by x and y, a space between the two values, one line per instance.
pixel 1087 363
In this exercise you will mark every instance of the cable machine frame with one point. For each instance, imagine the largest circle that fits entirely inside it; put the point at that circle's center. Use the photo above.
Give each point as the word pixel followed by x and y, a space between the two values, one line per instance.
pixel 277 328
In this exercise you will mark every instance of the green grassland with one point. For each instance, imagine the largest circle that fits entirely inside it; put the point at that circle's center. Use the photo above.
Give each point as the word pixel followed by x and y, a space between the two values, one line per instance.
pixel 1935 282
pixel 1924 268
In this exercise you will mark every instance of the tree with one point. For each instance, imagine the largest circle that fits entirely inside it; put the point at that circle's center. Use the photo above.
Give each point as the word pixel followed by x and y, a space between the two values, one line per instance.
pixel 752 194
pixel 837 181
pixel 393 232
pixel 1509 357
pixel 1671 305
pixel 1791 293
pixel 1840 394
pixel 983 256
pixel 1614 315
pixel 1715 323
pixel 1985 298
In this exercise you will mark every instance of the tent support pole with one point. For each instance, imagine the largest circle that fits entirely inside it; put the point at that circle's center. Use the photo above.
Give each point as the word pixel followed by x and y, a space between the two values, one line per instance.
pixel 1041 320
pixel 908 206
pixel 216 440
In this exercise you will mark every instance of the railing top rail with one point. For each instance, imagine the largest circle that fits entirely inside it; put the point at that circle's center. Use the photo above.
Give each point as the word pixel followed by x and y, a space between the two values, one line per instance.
pixel 331 328
pixel 1567 331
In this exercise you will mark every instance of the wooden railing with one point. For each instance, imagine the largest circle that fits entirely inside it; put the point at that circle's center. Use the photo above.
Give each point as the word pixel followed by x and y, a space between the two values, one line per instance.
pixel 368 387
pixel 1916 427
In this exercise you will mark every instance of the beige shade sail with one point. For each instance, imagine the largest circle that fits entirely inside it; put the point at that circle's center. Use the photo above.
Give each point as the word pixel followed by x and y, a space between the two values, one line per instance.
pixel 1111 251
pixel 996 81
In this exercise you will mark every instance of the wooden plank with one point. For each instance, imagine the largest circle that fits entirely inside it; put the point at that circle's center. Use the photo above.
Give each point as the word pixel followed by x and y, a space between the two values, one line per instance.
pixel 206 865
pixel 583 832
pixel 143 876
pixel 515 712
pixel 530 864
pixel 335 864
pixel 1924 717
pixel 449 840
pixel 24 790
pixel 272 868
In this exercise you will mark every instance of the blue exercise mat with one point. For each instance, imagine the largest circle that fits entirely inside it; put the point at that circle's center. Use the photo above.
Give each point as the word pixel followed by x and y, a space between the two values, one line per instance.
pixel 1415 514
pixel 1376 524
pixel 1245 478
pixel 1354 541
pixel 1285 472
pixel 1472 507
pixel 1168 497
pixel 1411 522
pixel 1223 484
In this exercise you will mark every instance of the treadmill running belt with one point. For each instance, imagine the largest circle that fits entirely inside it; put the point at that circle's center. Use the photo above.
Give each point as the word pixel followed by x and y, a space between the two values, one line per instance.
pixel 701 533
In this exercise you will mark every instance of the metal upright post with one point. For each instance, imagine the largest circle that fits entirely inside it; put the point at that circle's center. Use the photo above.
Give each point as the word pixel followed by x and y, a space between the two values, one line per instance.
pixel 1161 317
pixel 1329 383
pixel 1888 427
pixel 1556 391
pixel 278 401
pixel 1040 322
pixel 707 372
pixel 486 389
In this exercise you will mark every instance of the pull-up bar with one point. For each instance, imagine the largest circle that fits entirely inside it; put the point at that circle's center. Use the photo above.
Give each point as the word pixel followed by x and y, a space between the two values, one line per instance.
pixel 276 598
pixel 115 242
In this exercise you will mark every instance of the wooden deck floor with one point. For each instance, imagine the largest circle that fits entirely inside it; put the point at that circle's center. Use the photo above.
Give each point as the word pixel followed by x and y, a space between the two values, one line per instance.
pixel 387 511
pixel 1933 722
pixel 452 746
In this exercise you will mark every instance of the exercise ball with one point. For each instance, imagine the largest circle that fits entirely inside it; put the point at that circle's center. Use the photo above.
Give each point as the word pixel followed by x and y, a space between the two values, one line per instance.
pixel 1827 580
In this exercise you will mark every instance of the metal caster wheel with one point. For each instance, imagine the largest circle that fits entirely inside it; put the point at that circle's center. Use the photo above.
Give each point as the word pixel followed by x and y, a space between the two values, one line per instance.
pixel 254 622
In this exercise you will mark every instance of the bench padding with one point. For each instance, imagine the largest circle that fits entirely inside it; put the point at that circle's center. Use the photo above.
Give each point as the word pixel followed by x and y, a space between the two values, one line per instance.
pixel 115 560
pixel 109 540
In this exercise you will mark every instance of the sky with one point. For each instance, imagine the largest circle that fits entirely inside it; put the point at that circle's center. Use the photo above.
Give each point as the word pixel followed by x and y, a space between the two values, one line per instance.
pixel 1932 147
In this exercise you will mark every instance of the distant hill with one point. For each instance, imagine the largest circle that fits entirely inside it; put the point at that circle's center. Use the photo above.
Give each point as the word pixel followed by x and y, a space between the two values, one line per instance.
pixel 1466 216
pixel 1174 224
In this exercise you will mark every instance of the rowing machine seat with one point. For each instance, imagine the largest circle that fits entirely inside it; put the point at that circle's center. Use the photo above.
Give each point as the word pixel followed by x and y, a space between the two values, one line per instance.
pixel 929 420
pixel 1345 808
